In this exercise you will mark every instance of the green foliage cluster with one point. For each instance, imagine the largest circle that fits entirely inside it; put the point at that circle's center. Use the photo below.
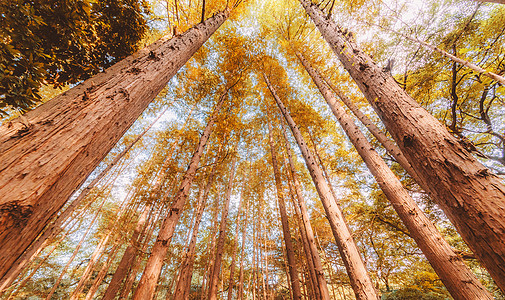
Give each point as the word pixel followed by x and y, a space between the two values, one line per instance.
pixel 62 42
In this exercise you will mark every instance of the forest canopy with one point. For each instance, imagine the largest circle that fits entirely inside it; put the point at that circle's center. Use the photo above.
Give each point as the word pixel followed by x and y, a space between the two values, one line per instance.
pixel 252 149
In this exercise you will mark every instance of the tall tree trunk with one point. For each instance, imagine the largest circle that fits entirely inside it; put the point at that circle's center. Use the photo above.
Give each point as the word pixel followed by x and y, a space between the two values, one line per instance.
pixel 316 259
pixel 147 284
pixel 290 253
pixel 222 235
pixel 240 293
pixel 234 250
pixel 388 144
pixel 135 241
pixel 186 270
pixel 54 228
pixel 457 278
pixel 358 275
pixel 472 197
pixel 102 273
pixel 46 154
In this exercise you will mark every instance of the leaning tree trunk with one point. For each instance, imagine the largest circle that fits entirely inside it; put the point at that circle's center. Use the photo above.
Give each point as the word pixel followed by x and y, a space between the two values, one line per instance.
pixel 213 280
pixel 472 197
pixel 54 228
pixel 308 232
pixel 457 278
pixel 147 284
pixel 358 275
pixel 46 154
pixel 290 253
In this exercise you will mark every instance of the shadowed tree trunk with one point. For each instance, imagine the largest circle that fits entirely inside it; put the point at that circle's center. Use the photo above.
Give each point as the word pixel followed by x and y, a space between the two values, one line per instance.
pixel 358 275
pixel 457 278
pixel 290 253
pixel 46 154
pixel 471 196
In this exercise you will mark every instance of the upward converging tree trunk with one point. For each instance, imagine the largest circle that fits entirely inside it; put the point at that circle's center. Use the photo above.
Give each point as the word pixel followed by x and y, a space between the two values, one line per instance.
pixel 293 270
pixel 358 275
pixel 322 287
pixel 152 270
pixel 471 196
pixel 186 269
pixel 455 275
pixel 47 154
pixel 216 268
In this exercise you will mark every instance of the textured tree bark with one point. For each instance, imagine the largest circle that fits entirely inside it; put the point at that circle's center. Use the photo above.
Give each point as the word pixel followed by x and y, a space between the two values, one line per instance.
pixel 54 228
pixel 293 270
pixel 457 278
pixel 47 154
pixel 186 270
pixel 307 227
pixel 147 284
pixel 358 275
pixel 471 196
pixel 222 234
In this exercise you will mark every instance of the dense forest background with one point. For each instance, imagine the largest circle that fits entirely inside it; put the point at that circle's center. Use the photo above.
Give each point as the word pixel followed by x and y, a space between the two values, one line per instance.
pixel 230 229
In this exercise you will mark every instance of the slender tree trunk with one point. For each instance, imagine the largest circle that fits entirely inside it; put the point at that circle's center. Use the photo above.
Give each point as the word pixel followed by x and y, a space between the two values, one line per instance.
pixel 147 284
pixel 358 275
pixel 472 197
pixel 76 250
pixel 128 256
pixel 47 154
pixel 91 266
pixel 457 278
pixel 388 144
pixel 234 251
pixel 222 235
pixel 186 270
pixel 240 293
pixel 102 273
pixel 316 259
pixel 293 271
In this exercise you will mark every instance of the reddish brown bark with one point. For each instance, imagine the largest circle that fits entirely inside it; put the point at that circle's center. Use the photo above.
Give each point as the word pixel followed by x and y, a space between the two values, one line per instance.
pixel 471 196
pixel 147 284
pixel 54 228
pixel 293 270
pixel 222 234
pixel 358 275
pixel 186 269
pixel 320 282
pixel 47 154
pixel 457 278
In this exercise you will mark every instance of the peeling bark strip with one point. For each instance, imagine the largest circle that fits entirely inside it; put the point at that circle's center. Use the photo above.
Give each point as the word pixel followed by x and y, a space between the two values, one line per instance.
pixel 358 275
pixel 457 278
pixel 290 253
pixel 42 163
pixel 471 197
